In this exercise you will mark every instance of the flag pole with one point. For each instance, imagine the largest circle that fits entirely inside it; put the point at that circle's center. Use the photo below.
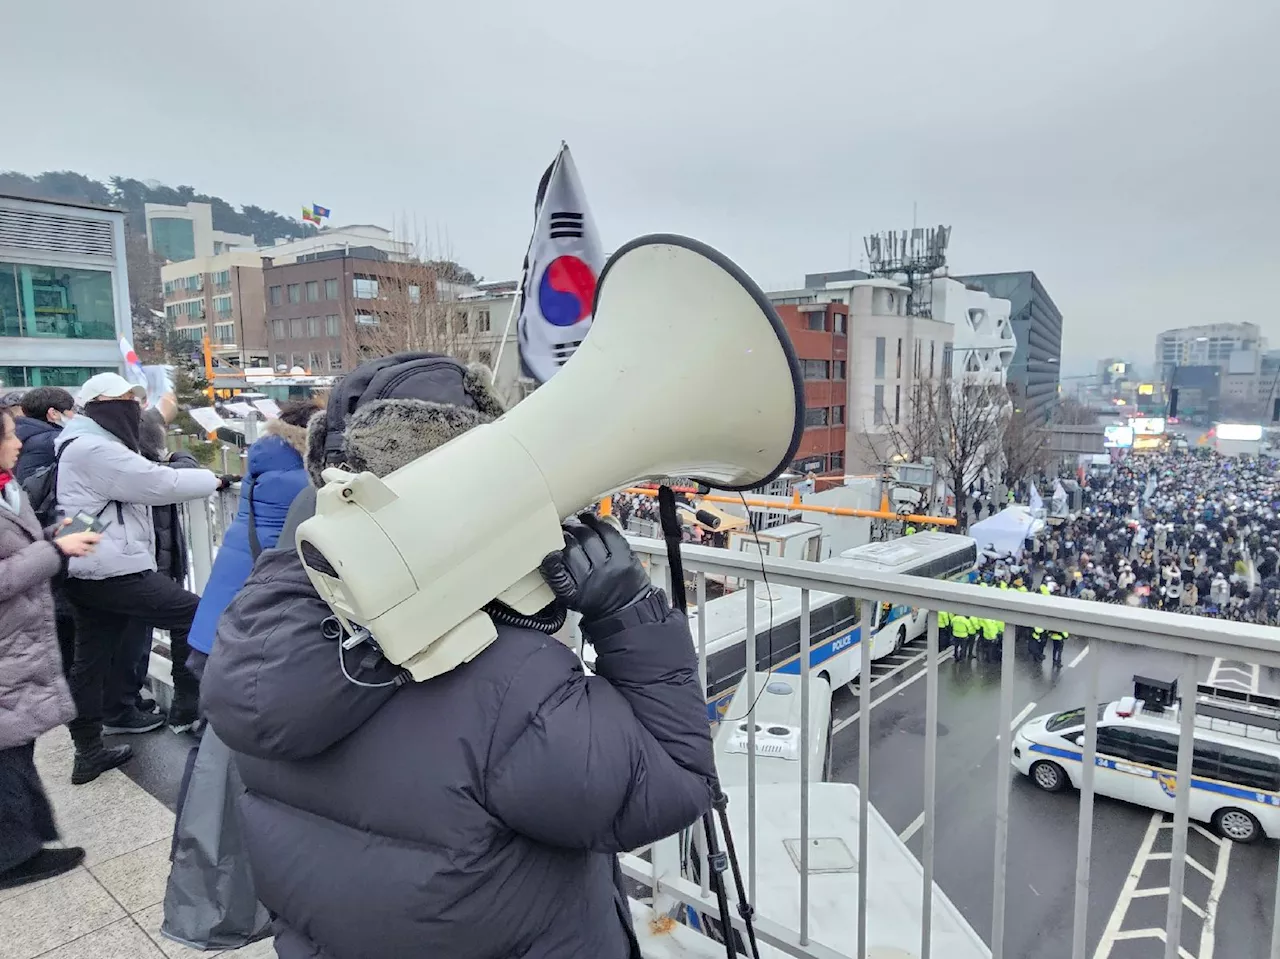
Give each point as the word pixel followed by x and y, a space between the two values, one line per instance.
pixel 506 332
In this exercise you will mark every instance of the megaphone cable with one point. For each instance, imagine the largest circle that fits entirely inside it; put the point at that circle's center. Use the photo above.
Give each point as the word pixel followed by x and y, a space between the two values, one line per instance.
pixel 716 860
pixel 764 575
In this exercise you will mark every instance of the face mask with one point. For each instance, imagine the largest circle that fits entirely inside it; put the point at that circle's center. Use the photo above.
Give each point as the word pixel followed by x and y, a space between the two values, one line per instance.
pixel 121 418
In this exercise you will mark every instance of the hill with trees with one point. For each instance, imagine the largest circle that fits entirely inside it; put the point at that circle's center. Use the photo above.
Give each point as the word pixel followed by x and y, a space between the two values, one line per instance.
pixel 131 195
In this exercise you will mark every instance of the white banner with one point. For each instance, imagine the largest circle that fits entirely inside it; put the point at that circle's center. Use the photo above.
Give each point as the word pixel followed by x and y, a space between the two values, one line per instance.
pixel 208 418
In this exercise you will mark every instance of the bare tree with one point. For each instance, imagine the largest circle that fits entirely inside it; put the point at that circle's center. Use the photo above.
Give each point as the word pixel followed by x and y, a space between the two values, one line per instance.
pixel 970 419
pixel 146 301
pixel 1024 443
pixel 1070 412
pixel 960 425
pixel 911 435
pixel 415 307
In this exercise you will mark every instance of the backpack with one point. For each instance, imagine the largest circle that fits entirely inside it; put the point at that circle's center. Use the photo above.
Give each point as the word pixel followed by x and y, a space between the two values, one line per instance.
pixel 41 487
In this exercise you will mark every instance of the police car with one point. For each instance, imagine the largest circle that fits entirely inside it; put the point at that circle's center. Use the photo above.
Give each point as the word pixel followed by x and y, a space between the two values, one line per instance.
pixel 1235 776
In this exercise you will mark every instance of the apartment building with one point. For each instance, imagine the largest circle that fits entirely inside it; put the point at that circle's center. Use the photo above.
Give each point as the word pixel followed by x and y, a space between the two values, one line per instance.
pixel 64 292
pixel 819 334
pixel 327 310
pixel 220 297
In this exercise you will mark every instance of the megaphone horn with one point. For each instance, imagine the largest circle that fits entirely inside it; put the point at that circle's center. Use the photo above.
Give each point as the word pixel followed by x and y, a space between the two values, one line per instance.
pixel 687 371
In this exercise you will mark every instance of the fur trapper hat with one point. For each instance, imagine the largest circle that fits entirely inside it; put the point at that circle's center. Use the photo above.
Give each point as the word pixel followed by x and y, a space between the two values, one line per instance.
pixel 389 412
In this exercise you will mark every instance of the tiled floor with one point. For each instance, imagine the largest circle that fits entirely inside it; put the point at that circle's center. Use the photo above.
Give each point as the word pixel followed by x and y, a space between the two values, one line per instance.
pixel 109 908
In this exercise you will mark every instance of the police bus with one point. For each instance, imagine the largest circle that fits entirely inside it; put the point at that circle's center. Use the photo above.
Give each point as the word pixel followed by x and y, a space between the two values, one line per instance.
pixel 1235 772
pixel 936 555
pixel 895 891
pixel 834 632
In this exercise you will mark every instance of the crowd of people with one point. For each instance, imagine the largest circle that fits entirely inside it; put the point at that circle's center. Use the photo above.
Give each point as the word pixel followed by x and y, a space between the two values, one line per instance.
pixel 98 463
pixel 1191 532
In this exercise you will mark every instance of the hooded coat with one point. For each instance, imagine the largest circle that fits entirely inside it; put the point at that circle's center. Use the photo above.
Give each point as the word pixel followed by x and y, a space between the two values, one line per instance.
pixel 33 694
pixel 276 475
pixel 476 815
pixel 473 816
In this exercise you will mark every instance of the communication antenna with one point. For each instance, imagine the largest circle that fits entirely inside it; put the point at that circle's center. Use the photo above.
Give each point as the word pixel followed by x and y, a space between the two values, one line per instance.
pixel 912 256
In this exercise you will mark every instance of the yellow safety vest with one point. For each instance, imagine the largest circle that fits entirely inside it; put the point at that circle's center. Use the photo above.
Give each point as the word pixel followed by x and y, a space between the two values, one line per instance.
pixel 960 627
pixel 944 619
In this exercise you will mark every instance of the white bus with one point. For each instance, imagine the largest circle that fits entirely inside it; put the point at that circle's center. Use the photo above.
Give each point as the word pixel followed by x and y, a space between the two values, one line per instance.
pixel 935 555
pixel 834 631
pixel 1235 772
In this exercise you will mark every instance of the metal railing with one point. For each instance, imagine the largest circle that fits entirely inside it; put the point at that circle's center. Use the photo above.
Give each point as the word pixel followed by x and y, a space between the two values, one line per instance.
pixel 1195 638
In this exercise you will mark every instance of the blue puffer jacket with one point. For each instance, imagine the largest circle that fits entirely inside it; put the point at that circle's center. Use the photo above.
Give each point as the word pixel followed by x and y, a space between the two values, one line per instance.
pixel 275 464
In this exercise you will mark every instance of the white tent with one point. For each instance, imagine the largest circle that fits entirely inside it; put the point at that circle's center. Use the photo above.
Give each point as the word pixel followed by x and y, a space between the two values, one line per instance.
pixel 1005 532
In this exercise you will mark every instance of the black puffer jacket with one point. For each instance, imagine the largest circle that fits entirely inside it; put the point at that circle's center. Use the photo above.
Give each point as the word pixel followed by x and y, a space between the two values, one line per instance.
pixel 37 445
pixel 171 541
pixel 473 816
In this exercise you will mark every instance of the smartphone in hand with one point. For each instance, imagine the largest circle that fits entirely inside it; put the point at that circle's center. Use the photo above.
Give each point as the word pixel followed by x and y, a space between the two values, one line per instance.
pixel 83 523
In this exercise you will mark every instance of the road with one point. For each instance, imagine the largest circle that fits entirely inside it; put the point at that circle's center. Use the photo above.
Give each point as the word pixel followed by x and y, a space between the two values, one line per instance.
pixel 1232 885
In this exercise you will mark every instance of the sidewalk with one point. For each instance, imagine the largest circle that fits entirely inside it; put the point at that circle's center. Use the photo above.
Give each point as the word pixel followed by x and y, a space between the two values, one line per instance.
pixel 110 907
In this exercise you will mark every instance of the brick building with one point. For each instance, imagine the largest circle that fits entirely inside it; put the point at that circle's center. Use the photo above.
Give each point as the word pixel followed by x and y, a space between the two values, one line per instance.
pixel 321 307
pixel 819 334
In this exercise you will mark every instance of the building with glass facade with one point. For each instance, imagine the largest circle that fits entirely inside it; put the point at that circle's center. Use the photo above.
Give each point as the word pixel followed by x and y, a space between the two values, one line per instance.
pixel 64 292
pixel 180 233
pixel 1033 375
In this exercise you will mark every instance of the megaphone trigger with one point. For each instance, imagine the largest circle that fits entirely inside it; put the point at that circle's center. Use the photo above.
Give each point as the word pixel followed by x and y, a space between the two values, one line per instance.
pixel 423 597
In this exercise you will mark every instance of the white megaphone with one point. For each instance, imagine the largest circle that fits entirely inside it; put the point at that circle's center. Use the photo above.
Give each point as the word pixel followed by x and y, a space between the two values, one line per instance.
pixel 687 371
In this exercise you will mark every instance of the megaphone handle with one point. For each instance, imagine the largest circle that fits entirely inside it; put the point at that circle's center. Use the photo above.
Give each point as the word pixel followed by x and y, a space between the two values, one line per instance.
pixel 671 533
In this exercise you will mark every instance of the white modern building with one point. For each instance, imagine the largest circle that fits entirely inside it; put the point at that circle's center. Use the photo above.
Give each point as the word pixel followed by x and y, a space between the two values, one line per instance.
pixel 983 342
pixel 179 233
pixel 356 236
pixel 64 292
pixel 890 352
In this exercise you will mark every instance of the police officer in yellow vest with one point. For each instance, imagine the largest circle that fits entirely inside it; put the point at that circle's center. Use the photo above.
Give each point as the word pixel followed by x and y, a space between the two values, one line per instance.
pixel 1036 646
pixel 1059 639
pixel 991 632
pixel 944 629
pixel 962 631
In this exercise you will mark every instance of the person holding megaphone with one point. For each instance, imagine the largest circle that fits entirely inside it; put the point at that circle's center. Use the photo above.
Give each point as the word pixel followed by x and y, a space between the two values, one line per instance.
pixel 476 813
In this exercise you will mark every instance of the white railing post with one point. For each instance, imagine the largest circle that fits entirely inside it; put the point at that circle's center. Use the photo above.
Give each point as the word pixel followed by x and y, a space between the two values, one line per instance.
pixel 1181 807
pixel 864 769
pixel 1084 838
pixel 752 653
pixel 930 781
pixel 202 541
pixel 1004 758
pixel 805 632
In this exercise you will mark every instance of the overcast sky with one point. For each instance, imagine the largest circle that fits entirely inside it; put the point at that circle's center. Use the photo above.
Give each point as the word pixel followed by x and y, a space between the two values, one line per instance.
pixel 1125 151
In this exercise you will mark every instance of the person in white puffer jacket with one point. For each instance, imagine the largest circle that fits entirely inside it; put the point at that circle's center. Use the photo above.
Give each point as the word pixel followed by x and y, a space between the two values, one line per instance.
pixel 101 473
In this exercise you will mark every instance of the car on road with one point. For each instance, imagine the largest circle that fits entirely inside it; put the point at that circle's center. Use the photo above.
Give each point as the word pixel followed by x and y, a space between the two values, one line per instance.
pixel 1235 776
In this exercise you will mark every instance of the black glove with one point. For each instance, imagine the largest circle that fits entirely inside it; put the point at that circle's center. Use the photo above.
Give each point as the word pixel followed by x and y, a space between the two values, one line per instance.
pixel 225 480
pixel 596 573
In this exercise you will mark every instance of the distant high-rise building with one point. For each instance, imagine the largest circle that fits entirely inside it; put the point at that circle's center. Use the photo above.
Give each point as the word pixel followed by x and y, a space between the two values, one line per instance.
pixel 1206 345
pixel 185 232
pixel 1037 327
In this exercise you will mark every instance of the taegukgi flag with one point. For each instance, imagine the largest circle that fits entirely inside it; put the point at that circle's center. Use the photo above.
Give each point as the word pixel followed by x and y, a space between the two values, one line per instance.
pixel 560 272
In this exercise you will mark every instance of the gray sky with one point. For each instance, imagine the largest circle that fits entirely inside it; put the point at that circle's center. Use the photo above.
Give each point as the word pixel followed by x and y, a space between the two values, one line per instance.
pixel 1125 151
